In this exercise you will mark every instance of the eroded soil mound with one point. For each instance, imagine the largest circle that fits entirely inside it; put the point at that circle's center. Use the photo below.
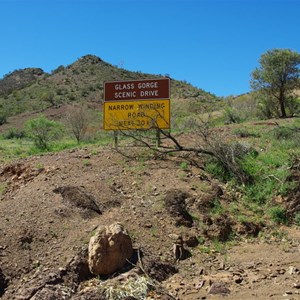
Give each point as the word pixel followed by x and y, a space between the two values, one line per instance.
pixel 78 197
pixel 292 201
pixel 175 203
pixel 50 207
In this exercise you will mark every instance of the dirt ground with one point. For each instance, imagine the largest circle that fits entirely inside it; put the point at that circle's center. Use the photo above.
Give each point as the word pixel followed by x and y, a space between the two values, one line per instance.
pixel 46 219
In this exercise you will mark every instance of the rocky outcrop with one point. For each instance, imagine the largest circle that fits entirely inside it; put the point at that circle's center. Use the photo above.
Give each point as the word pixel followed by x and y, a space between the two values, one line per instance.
pixel 19 79
pixel 42 284
pixel 109 249
pixel 218 288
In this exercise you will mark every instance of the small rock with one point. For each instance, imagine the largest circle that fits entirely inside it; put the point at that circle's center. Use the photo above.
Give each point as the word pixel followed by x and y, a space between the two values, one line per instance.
pixel 218 288
pixel 297 285
pixel 200 284
pixel 287 293
pixel 179 251
pixel 292 270
pixel 222 265
pixel 173 236
pixel 238 279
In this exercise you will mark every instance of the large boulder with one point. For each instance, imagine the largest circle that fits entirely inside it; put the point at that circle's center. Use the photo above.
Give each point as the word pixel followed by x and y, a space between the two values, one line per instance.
pixel 109 249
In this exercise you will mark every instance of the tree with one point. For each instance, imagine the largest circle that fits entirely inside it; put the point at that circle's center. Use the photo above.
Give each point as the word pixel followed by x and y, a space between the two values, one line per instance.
pixel 78 119
pixel 228 156
pixel 48 97
pixel 42 131
pixel 277 77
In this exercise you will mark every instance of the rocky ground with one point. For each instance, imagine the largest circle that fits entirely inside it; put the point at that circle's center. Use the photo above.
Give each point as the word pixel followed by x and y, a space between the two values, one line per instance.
pixel 51 205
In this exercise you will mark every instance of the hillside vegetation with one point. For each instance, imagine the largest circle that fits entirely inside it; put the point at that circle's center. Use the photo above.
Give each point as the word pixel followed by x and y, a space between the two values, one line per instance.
pixel 33 90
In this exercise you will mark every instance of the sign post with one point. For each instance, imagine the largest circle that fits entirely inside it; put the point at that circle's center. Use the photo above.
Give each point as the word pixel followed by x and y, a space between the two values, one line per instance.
pixel 137 104
pixel 116 139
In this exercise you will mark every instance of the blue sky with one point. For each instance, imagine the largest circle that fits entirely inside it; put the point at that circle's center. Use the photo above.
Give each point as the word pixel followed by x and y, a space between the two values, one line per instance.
pixel 212 44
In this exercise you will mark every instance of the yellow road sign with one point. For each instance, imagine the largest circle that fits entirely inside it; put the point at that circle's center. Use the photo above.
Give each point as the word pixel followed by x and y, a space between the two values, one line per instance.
pixel 137 114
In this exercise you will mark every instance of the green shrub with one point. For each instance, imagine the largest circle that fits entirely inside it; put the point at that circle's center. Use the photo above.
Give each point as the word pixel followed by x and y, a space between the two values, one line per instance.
pixel 284 133
pixel 297 219
pixel 58 69
pixel 215 168
pixel 14 133
pixel 260 192
pixel 293 106
pixel 184 166
pixel 244 133
pixel 3 118
pixel 43 131
pixel 270 172
pixel 217 208
pixel 228 161
pixel 231 115
pixel 278 214
pixel 187 123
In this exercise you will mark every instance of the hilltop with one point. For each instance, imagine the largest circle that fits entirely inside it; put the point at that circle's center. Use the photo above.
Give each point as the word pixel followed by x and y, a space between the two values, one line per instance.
pixel 32 89
pixel 19 79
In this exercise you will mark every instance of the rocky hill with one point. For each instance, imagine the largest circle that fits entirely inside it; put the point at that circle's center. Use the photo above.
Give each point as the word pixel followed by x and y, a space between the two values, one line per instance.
pixel 19 79
pixel 33 90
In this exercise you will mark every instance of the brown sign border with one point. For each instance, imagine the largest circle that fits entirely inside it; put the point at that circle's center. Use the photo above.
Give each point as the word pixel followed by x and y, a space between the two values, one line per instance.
pixel 165 93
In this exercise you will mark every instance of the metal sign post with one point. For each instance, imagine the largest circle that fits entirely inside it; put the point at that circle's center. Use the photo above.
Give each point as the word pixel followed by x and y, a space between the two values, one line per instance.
pixel 116 139
pixel 158 141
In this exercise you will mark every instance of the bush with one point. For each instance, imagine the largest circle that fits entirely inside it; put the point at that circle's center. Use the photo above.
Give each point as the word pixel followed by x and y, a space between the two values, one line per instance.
pixel 43 131
pixel 245 133
pixel 78 121
pixel 58 69
pixel 3 119
pixel 228 161
pixel 293 106
pixel 231 115
pixel 297 219
pixel 284 132
pixel 278 214
pixel 14 133
pixel 188 123
pixel 239 109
